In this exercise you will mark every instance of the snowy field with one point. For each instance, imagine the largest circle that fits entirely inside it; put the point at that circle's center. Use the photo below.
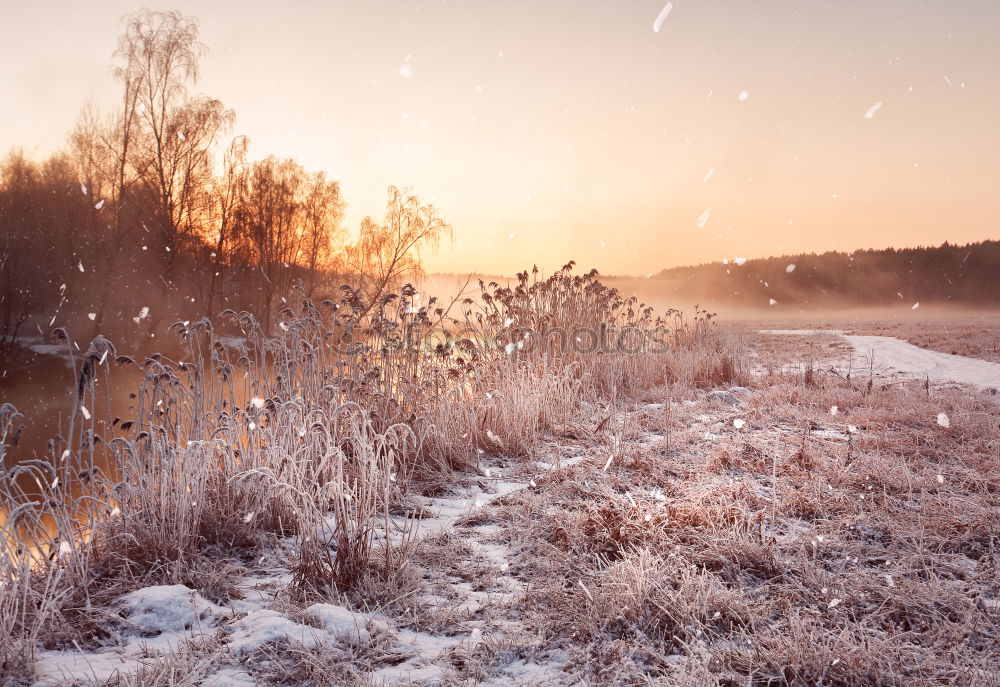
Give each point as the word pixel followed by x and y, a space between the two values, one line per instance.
pixel 800 528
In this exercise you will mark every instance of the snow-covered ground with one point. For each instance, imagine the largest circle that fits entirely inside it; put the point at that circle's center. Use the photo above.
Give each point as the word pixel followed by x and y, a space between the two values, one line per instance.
pixel 892 355
pixel 483 612
pixel 900 355
pixel 156 620
pixel 480 610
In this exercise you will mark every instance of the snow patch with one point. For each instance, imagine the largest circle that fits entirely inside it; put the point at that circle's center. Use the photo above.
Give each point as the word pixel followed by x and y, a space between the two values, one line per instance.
pixel 344 622
pixel 167 608
pixel 229 677
pixel 261 627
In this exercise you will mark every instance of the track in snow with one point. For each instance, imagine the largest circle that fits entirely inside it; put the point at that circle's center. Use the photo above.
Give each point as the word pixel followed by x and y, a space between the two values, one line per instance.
pixel 892 354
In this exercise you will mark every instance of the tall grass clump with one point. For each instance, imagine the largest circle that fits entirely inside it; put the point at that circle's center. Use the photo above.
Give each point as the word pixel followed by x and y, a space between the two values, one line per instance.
pixel 309 433
pixel 621 344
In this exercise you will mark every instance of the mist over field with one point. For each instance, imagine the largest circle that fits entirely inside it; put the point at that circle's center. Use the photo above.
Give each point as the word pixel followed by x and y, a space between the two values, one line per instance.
pixel 947 281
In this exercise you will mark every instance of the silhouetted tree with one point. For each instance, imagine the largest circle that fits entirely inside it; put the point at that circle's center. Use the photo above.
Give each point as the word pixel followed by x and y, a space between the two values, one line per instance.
pixel 386 254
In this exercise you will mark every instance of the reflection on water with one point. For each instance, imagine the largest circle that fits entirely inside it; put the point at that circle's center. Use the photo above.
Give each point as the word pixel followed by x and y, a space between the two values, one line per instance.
pixel 44 391
pixel 75 430
pixel 42 387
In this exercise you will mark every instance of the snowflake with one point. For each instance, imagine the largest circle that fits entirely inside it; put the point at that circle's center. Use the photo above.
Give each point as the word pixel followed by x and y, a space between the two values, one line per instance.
pixel 873 109
pixel 662 16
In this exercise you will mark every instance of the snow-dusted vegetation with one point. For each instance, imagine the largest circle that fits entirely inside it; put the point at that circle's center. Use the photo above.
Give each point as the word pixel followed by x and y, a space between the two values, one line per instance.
pixel 336 505
pixel 256 433
pixel 300 463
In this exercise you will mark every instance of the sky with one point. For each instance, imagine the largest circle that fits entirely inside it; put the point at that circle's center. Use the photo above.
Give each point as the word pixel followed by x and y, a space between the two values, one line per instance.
pixel 551 130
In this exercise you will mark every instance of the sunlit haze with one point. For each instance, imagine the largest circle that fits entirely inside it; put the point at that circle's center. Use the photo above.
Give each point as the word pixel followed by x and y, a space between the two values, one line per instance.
pixel 554 130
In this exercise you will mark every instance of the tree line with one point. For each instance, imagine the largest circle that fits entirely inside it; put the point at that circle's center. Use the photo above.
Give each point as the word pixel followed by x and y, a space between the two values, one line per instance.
pixel 154 211
pixel 966 275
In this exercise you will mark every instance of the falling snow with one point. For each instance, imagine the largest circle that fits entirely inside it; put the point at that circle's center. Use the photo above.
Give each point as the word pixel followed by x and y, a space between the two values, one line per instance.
pixel 873 109
pixel 406 71
pixel 662 16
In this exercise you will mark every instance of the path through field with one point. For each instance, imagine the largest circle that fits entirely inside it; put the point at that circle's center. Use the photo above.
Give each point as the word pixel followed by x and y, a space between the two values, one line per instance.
pixel 895 355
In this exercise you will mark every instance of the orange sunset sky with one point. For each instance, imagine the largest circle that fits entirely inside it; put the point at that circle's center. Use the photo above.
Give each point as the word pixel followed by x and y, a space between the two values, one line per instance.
pixel 552 130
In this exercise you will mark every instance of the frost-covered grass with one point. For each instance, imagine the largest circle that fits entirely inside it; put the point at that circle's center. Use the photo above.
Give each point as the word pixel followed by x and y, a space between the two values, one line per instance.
pixel 840 535
pixel 774 353
pixel 292 471
pixel 292 514
pixel 855 547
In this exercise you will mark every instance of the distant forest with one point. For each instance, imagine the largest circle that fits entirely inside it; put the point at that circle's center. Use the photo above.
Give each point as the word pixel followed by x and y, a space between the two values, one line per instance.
pixel 962 275
pixel 154 211
pixel 966 275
